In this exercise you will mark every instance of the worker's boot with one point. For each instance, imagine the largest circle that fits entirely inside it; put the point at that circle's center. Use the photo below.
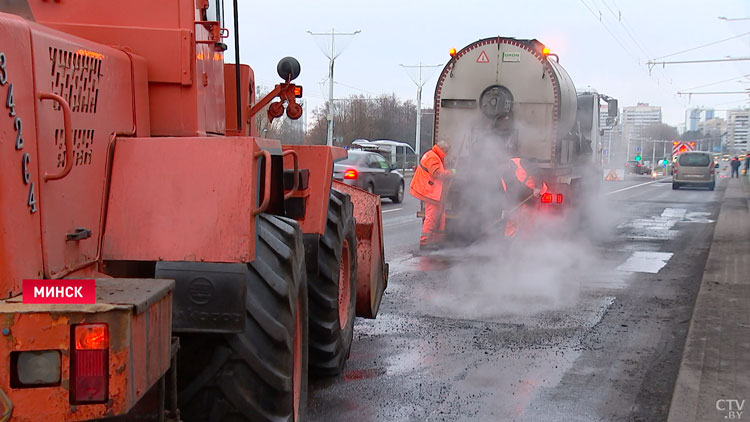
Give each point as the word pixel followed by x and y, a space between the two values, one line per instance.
pixel 427 242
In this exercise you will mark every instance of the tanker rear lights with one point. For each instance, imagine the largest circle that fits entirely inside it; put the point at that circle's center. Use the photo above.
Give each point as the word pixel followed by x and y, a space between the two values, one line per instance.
pixel 549 198
pixel 351 174
pixel 89 364
pixel 452 52
pixel 545 51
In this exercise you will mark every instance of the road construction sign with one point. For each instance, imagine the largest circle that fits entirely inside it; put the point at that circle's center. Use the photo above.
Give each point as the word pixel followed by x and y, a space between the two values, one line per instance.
pixel 680 147
pixel 614 174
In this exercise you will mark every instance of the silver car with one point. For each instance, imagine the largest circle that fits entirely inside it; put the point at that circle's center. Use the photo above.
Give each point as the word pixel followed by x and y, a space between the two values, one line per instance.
pixel 694 169
pixel 371 172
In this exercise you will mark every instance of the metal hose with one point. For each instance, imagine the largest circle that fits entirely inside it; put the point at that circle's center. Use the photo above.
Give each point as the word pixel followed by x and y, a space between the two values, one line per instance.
pixel 7 407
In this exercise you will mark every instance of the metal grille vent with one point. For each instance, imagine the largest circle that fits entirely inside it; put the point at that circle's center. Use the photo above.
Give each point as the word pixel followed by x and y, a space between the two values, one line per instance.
pixel 83 147
pixel 75 77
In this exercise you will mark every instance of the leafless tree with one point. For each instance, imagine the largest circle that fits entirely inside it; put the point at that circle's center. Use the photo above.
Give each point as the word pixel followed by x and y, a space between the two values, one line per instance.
pixel 363 117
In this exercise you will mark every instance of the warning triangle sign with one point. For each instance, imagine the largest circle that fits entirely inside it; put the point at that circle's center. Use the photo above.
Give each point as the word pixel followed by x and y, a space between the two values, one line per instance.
pixel 483 57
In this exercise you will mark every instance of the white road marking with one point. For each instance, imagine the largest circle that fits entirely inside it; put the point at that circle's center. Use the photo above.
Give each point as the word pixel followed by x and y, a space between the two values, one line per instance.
pixel 632 187
pixel 392 209
pixel 645 262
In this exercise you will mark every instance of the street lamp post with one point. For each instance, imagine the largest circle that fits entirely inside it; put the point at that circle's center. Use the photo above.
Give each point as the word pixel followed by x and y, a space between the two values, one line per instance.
pixel 419 83
pixel 332 58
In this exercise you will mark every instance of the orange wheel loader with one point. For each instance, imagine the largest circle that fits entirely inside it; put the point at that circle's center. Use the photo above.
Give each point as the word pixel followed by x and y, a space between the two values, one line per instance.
pixel 224 264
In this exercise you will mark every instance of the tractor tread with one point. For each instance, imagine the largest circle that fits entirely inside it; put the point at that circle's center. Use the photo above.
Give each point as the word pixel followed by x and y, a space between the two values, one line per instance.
pixel 249 377
pixel 329 343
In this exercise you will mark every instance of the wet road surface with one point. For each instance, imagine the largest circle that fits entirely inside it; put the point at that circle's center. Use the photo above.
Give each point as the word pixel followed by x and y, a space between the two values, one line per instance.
pixel 586 327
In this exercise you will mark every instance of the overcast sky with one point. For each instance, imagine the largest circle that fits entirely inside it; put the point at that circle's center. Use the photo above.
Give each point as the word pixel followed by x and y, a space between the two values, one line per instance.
pixel 406 32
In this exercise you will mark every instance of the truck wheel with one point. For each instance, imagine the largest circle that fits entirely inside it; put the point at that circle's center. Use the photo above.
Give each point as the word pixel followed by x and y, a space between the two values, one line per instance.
pixel 332 292
pixel 259 374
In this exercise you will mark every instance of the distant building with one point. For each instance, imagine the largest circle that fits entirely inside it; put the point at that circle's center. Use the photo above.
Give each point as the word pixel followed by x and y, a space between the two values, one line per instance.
pixel 738 123
pixel 713 127
pixel 636 118
pixel 692 118
pixel 695 116
pixel 712 130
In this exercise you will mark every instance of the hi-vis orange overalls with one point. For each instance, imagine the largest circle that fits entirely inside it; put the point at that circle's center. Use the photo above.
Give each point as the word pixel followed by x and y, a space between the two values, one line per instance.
pixel 517 192
pixel 427 186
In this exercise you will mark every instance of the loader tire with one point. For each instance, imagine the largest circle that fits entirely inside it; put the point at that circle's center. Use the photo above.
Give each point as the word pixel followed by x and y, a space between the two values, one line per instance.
pixel 260 374
pixel 332 292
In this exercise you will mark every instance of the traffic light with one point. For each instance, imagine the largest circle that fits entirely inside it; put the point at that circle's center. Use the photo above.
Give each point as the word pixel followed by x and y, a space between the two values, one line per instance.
pixel 637 158
pixel 665 161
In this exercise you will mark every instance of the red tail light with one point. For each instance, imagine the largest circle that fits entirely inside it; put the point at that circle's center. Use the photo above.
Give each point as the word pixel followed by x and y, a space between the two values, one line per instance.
pixel 559 198
pixel 351 174
pixel 547 198
pixel 89 362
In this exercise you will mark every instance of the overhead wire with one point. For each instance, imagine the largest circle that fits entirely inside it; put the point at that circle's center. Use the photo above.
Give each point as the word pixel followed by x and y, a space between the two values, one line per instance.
pixel 702 46
pixel 617 40
pixel 601 18
pixel 716 83
pixel 624 22
pixel 355 88
pixel 621 19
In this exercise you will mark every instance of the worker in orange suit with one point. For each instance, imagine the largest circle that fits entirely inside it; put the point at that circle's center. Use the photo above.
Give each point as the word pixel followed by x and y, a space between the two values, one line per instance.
pixel 427 186
pixel 519 186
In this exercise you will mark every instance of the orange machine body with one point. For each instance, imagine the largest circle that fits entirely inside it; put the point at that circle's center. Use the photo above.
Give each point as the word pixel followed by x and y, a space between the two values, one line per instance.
pixel 138 322
pixel 89 181
pixel 119 148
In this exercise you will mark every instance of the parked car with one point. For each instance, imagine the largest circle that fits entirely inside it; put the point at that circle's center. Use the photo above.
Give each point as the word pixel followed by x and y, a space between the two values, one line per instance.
pixel 370 171
pixel 694 169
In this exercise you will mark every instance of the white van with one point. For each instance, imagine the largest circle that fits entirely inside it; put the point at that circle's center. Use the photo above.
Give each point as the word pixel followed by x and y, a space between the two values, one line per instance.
pixel 400 154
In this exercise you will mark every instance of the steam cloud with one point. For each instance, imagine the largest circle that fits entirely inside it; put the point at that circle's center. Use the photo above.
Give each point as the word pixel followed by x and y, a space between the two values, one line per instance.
pixel 541 269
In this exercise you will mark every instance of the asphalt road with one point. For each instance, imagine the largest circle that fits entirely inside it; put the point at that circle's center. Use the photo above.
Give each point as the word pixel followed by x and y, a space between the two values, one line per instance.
pixel 587 326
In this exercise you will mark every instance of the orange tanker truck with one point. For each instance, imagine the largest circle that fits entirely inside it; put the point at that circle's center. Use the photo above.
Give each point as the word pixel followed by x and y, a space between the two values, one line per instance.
pixel 224 265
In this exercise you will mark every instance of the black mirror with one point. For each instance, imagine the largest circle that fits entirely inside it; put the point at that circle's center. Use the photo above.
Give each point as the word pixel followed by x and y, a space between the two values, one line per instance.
pixel 288 68
pixel 612 110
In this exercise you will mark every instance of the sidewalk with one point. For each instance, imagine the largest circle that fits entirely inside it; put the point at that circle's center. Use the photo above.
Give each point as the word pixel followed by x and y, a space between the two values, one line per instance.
pixel 713 383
